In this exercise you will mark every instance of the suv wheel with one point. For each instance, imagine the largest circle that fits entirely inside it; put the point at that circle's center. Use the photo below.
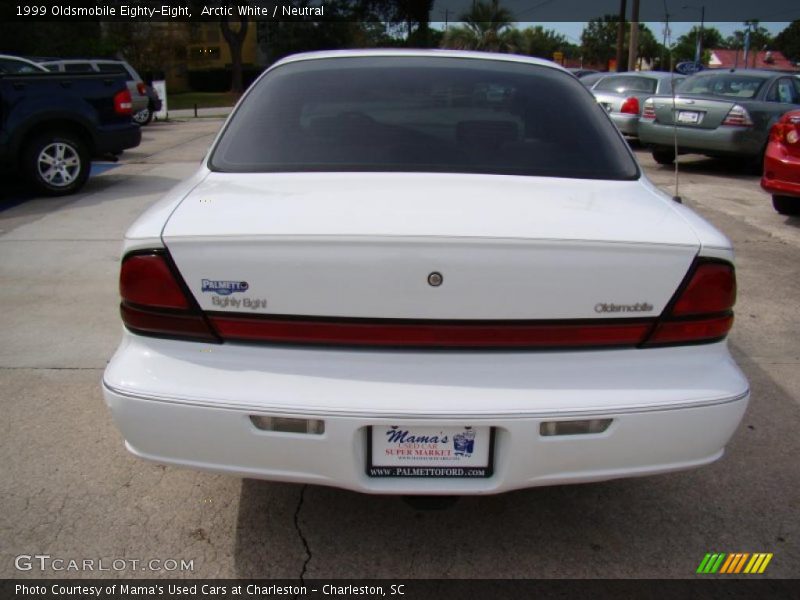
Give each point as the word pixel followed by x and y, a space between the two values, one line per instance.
pixel 57 163
pixel 786 205
pixel 144 116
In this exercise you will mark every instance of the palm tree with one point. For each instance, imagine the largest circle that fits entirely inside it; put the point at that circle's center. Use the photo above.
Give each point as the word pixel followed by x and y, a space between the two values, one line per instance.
pixel 486 27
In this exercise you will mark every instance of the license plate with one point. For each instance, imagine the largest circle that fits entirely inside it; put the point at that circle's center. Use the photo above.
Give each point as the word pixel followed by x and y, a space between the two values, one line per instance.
pixel 688 116
pixel 431 452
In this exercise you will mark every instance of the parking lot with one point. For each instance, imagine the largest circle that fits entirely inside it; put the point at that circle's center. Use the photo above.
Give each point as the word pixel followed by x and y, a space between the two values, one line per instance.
pixel 70 490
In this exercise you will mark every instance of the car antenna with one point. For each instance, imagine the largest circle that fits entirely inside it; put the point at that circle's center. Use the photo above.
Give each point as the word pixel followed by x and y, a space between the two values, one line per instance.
pixel 676 196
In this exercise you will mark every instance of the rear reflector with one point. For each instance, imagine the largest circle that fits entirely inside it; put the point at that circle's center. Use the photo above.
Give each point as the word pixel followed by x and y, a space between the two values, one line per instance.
pixel 365 332
pixel 166 324
pixel 553 428
pixel 694 330
pixel 154 301
pixel 288 425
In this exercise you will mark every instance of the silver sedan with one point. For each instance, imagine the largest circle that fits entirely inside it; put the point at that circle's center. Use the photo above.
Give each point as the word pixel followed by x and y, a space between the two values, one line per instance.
pixel 623 94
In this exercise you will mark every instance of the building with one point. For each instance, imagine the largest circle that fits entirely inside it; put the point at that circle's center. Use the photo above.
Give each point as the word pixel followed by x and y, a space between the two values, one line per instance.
pixel 763 59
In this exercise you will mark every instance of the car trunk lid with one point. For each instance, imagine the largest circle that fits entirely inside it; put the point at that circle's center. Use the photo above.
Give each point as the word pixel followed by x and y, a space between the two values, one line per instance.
pixel 697 112
pixel 367 246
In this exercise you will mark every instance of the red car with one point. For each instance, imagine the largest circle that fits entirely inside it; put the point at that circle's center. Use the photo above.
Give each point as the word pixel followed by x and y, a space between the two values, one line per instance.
pixel 782 164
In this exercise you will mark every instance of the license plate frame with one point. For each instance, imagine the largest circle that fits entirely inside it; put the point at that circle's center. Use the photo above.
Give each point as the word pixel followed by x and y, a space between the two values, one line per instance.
pixel 688 117
pixel 418 470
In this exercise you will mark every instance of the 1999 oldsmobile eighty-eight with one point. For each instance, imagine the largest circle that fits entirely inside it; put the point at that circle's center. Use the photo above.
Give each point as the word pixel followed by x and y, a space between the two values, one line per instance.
pixel 386 277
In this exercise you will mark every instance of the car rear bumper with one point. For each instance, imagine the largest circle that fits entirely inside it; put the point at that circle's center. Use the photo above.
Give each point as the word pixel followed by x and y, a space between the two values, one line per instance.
pixel 781 173
pixel 112 139
pixel 190 405
pixel 626 123
pixel 722 141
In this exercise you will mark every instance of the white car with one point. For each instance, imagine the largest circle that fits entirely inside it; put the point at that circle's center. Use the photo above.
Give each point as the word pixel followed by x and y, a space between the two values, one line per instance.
pixel 414 272
pixel 13 65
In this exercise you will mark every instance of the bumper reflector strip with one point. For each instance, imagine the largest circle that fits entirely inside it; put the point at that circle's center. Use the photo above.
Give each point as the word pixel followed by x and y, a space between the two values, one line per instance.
pixel 288 425
pixel 553 428
pixel 432 334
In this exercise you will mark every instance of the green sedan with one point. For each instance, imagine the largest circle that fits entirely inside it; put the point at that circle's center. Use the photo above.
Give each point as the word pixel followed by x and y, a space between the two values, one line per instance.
pixel 719 113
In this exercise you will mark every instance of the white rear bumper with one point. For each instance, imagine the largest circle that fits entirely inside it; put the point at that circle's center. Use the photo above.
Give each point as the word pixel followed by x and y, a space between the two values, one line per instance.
pixel 190 404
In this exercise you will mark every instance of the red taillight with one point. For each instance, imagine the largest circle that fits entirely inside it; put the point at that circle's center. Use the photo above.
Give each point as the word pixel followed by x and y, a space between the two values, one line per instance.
pixel 712 289
pixel 398 333
pixel 702 311
pixel 738 117
pixel 785 133
pixel 141 88
pixel 630 106
pixel 154 302
pixel 649 110
pixel 700 330
pixel 147 280
pixel 123 104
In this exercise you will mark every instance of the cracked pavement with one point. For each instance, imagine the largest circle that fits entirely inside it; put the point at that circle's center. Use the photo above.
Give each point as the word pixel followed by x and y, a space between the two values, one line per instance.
pixel 69 489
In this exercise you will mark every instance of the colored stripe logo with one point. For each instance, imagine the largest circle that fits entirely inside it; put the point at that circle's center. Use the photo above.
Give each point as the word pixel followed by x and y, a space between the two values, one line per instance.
pixel 733 563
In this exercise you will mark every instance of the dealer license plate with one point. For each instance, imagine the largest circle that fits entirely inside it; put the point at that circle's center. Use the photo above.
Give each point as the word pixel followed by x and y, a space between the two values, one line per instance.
pixel 690 117
pixel 434 452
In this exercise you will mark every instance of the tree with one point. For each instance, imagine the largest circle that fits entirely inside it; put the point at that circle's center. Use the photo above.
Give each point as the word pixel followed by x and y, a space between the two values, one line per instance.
pixel 147 45
pixel 541 42
pixel 235 39
pixel 687 44
pixel 599 40
pixel 413 14
pixel 486 27
pixel 339 30
pixel 788 41
pixel 648 47
pixel 417 14
pixel 63 39
pixel 760 37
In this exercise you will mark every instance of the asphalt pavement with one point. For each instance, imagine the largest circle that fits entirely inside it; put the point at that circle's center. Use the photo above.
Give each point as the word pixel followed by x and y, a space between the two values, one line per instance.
pixel 70 490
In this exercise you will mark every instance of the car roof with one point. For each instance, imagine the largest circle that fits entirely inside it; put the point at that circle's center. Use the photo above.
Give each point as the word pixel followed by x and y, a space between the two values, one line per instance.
pixel 411 52
pixel 22 59
pixel 764 73
pixel 19 58
pixel 651 74
pixel 82 60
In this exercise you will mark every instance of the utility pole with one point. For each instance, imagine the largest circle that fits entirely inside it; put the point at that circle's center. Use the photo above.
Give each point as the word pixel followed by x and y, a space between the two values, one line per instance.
pixel 746 44
pixel 698 55
pixel 623 8
pixel 633 50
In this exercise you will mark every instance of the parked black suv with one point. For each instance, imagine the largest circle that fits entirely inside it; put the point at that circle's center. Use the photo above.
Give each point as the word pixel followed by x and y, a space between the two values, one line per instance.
pixel 53 124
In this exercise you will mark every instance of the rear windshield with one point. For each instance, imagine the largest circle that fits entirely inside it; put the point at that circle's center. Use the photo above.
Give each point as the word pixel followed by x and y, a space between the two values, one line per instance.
pixel 422 114
pixel 622 85
pixel 728 86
